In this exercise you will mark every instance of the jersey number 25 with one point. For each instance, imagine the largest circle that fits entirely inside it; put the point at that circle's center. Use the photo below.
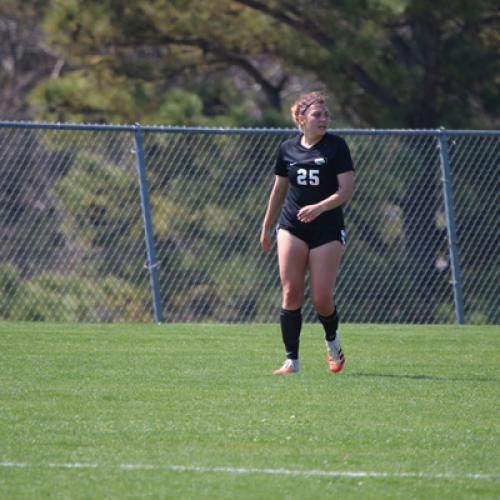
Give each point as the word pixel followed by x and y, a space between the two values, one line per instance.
pixel 307 177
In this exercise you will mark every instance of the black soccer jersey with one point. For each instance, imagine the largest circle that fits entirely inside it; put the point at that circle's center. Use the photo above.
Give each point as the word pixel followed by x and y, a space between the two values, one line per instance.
pixel 312 174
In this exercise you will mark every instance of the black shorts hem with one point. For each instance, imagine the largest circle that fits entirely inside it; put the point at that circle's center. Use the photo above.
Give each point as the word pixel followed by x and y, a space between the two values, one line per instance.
pixel 314 237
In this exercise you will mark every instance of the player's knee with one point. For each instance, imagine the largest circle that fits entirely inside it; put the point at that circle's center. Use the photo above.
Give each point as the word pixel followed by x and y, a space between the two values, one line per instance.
pixel 323 304
pixel 292 298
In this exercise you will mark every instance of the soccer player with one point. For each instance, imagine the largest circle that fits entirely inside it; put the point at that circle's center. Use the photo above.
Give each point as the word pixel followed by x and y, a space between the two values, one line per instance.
pixel 314 178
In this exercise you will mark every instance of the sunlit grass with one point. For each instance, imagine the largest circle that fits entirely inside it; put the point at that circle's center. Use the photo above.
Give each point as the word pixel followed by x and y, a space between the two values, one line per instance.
pixel 416 400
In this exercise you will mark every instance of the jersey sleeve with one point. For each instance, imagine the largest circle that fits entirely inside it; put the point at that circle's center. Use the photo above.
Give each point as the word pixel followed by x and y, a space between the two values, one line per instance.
pixel 280 167
pixel 342 160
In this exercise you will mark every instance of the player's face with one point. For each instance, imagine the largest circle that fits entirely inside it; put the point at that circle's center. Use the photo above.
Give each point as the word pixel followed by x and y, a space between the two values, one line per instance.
pixel 316 120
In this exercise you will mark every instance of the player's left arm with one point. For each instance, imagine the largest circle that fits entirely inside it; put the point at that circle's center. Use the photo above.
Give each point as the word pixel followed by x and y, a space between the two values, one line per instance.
pixel 342 195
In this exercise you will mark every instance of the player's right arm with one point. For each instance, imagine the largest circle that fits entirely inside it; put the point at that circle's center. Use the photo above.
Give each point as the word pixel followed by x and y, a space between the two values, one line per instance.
pixel 276 199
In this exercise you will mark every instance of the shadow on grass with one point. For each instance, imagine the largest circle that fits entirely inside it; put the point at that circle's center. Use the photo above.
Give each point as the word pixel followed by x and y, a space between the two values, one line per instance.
pixel 425 377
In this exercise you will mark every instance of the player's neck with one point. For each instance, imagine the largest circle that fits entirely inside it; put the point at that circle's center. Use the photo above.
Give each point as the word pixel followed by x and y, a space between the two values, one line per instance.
pixel 308 141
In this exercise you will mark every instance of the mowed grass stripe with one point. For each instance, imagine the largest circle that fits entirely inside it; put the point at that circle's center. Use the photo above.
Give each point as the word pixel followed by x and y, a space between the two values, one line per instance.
pixel 416 400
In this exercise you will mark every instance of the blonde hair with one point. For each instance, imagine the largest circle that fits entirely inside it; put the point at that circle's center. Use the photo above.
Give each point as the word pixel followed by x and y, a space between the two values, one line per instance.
pixel 304 102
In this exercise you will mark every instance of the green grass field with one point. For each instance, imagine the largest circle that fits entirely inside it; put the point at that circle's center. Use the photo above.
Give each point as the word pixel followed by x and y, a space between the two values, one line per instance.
pixel 193 411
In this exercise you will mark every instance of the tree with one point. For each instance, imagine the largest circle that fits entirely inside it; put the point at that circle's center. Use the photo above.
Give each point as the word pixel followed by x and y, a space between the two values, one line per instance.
pixel 24 59
pixel 386 63
pixel 127 57
pixel 407 64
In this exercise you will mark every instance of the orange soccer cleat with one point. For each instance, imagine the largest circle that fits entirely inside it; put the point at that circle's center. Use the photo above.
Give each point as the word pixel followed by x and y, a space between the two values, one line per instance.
pixel 289 366
pixel 336 358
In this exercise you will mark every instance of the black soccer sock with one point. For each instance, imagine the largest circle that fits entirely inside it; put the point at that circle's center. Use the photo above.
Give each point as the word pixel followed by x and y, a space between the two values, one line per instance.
pixel 291 324
pixel 330 325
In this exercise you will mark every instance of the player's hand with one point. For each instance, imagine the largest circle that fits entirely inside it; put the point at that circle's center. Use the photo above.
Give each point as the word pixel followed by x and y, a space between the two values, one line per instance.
pixel 309 213
pixel 265 240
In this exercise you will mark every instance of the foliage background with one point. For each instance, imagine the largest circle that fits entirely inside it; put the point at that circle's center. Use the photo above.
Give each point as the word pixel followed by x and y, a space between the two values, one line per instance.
pixel 384 63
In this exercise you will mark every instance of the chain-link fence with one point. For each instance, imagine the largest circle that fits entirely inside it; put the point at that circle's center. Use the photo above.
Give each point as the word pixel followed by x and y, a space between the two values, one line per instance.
pixel 123 223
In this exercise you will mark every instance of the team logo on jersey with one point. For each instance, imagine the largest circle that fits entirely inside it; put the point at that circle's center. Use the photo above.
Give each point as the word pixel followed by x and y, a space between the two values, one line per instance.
pixel 319 161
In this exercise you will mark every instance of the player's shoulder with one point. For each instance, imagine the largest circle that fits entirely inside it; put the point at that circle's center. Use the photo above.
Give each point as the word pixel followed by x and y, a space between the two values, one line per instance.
pixel 338 151
pixel 333 144
pixel 291 142
pixel 334 139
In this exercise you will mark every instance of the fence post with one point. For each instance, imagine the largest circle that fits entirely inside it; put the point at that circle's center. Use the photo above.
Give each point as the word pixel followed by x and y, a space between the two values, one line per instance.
pixel 450 225
pixel 148 226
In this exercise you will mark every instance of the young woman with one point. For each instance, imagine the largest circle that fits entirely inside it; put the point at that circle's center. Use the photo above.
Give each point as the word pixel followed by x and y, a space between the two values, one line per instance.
pixel 314 178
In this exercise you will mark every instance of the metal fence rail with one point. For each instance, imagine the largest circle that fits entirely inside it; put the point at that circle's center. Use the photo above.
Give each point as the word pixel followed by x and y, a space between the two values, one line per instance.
pixel 127 223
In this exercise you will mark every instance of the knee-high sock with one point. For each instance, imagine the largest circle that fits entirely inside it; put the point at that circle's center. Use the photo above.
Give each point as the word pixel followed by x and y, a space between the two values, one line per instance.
pixel 291 324
pixel 330 325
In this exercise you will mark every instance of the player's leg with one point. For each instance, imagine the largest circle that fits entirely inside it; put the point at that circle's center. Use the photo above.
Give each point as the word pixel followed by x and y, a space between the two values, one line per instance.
pixel 324 263
pixel 292 257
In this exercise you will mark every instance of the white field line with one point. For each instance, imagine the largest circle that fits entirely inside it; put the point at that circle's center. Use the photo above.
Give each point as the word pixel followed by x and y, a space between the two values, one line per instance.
pixel 255 470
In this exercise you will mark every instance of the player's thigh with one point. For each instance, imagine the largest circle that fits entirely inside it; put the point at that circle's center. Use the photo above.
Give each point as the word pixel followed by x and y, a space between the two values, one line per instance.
pixel 324 263
pixel 292 257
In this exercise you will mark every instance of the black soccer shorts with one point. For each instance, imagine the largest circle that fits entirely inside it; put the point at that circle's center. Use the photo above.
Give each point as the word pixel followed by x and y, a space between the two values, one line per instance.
pixel 316 233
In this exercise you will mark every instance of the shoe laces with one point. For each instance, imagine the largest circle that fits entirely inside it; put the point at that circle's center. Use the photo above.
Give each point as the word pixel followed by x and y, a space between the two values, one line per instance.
pixel 291 363
pixel 334 347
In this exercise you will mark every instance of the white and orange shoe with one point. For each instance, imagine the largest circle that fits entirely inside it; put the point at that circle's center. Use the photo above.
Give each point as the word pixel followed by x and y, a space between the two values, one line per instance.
pixel 336 358
pixel 289 366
